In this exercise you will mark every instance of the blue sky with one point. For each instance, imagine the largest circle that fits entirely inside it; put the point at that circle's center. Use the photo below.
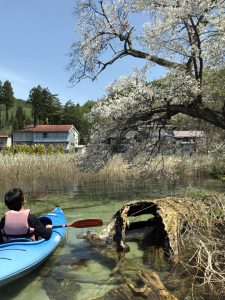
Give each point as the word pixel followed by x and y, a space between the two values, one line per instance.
pixel 36 36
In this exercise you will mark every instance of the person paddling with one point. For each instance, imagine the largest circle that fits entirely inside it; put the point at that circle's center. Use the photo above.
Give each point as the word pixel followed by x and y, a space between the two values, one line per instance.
pixel 18 222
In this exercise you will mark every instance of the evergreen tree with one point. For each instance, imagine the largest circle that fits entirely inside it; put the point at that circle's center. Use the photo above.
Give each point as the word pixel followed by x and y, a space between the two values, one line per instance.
pixel 68 113
pixel 35 99
pixel 20 117
pixel 15 125
pixel 46 107
pixel 1 102
pixel 52 107
pixel 7 98
pixel 77 116
pixel 28 120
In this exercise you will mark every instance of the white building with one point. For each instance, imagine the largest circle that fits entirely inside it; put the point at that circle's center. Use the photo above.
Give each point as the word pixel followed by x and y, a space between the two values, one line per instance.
pixel 65 135
pixel 5 141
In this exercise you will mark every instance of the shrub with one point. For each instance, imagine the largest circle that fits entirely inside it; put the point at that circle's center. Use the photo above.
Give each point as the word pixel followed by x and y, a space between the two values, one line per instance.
pixel 50 149
pixel 59 149
pixel 41 149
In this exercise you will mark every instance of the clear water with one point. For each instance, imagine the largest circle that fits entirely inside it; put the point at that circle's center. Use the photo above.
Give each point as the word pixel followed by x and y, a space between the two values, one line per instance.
pixel 80 271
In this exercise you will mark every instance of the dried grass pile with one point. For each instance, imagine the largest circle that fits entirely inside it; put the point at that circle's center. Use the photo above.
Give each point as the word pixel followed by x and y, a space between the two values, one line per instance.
pixel 190 232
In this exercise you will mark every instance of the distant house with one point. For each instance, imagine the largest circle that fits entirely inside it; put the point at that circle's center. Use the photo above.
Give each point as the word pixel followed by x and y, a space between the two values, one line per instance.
pixel 65 135
pixel 167 140
pixel 144 137
pixel 5 141
pixel 80 149
pixel 187 141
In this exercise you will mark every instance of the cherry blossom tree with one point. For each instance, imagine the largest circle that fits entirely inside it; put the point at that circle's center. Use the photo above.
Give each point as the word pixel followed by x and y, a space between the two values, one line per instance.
pixel 186 37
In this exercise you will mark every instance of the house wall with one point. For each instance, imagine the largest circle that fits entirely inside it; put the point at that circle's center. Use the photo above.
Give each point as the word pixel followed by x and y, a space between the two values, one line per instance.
pixel 50 136
pixel 54 138
pixel 22 137
pixel 2 142
pixel 80 149
pixel 5 142
pixel 73 139
pixel 186 145
pixel 69 140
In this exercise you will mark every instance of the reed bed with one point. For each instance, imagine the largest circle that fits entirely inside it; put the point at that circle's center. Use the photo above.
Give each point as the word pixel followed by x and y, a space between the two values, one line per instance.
pixel 35 173
pixel 172 167
pixel 202 245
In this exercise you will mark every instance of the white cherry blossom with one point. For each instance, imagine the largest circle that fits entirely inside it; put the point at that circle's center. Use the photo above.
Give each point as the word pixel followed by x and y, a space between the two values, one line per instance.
pixel 186 37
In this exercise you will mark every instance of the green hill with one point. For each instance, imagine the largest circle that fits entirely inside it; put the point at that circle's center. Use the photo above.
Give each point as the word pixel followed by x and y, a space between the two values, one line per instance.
pixel 26 108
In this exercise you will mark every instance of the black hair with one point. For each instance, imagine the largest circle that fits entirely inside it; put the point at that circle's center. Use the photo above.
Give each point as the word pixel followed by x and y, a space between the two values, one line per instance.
pixel 14 199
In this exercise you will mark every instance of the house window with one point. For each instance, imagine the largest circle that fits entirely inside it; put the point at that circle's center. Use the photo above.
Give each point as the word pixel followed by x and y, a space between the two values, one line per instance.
pixel 170 132
pixel 45 135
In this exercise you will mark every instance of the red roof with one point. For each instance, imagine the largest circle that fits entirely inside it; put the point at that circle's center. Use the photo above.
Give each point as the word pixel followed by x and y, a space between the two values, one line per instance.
pixel 44 128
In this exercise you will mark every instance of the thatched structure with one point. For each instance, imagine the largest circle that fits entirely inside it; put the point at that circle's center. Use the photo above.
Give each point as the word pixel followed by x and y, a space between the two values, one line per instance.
pixel 188 230
pixel 167 218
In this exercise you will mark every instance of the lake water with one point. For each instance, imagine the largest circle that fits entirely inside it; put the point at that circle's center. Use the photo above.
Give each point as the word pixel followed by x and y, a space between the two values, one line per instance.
pixel 79 271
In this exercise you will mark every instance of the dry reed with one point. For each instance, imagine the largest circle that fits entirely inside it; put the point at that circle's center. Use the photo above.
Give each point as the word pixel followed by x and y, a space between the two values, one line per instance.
pixel 36 173
pixel 173 167
pixel 204 243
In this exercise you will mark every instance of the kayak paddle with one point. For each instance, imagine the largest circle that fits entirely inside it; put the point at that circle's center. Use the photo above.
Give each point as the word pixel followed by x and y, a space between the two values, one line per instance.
pixel 82 223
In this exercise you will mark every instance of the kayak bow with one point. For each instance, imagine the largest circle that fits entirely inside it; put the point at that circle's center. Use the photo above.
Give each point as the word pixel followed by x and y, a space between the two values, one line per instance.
pixel 20 256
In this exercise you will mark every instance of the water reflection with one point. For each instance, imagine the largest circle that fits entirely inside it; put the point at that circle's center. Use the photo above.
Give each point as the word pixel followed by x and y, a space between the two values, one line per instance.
pixel 79 271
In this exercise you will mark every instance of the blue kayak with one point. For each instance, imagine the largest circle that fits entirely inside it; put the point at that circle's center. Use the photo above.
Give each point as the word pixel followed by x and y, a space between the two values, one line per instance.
pixel 20 256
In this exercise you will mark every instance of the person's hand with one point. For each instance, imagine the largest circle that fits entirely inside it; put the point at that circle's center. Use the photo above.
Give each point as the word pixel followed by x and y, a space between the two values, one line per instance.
pixel 48 226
